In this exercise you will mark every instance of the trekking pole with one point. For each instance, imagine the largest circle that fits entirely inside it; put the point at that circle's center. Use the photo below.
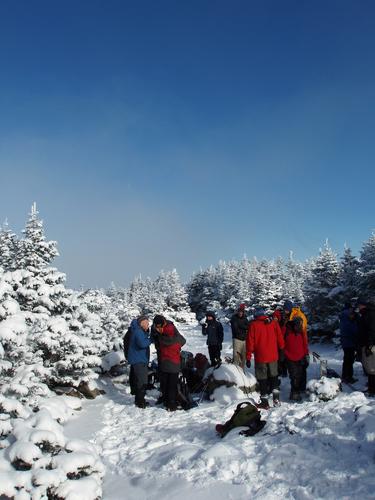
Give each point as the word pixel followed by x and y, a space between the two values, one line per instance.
pixel 203 391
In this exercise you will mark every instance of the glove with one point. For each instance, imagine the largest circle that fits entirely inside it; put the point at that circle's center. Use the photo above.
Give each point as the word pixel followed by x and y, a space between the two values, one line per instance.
pixel 248 363
pixel 305 361
pixel 368 350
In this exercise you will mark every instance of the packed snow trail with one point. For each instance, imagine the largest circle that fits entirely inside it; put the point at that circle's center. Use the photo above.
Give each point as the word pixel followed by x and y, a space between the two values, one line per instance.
pixel 308 450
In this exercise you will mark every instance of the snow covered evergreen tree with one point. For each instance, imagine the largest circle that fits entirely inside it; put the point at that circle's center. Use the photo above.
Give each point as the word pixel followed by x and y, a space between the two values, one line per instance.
pixel 366 270
pixel 294 275
pixel 8 248
pixel 34 251
pixel 321 291
pixel 349 277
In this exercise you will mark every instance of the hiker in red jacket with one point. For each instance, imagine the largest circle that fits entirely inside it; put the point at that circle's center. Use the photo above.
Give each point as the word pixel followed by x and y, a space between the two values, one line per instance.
pixel 297 357
pixel 264 339
pixel 170 342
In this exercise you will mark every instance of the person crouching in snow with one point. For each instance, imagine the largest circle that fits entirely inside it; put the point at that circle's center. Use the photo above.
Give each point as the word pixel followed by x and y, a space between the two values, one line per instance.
pixel 215 336
pixel 170 343
pixel 264 340
pixel 139 357
pixel 297 357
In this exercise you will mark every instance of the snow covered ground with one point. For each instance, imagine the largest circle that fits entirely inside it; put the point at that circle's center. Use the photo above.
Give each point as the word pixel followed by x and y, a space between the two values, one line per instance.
pixel 306 450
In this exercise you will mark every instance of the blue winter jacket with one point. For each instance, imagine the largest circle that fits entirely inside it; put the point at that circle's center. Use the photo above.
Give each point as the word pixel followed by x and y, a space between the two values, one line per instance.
pixel 348 330
pixel 139 345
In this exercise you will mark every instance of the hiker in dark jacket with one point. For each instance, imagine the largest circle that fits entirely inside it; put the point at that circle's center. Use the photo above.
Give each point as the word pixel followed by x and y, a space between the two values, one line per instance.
pixel 170 342
pixel 239 324
pixel 215 336
pixel 297 357
pixel 367 341
pixel 139 357
pixel 349 341
pixel 279 316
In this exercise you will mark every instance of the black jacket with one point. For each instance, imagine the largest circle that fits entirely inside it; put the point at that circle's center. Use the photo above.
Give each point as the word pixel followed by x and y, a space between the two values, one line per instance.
pixel 367 326
pixel 239 326
pixel 214 331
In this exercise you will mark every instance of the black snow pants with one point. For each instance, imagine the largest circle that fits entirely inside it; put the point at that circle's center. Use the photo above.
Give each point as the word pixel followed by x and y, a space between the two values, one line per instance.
pixel 214 352
pixel 297 375
pixel 168 388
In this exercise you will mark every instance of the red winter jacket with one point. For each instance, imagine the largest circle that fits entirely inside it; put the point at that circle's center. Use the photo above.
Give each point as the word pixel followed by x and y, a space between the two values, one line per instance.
pixel 264 339
pixel 296 347
pixel 170 343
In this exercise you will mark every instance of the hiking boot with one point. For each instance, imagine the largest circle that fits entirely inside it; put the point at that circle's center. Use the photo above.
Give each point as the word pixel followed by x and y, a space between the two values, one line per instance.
pixel 172 407
pixel 263 405
pixel 160 400
pixel 295 396
pixel 142 404
pixel 350 380
pixel 276 397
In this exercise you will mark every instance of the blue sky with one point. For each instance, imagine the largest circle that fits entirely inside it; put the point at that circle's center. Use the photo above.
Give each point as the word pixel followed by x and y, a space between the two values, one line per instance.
pixel 173 134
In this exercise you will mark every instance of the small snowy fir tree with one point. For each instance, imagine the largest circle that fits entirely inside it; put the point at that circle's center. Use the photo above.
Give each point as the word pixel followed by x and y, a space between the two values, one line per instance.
pixel 34 251
pixel 321 291
pixel 8 248
pixel 176 297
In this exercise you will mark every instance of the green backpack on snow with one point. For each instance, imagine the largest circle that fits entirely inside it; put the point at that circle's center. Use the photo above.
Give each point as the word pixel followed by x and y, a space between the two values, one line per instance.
pixel 245 415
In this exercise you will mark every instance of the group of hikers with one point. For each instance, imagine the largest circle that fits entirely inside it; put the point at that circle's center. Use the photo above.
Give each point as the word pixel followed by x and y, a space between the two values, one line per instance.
pixel 278 342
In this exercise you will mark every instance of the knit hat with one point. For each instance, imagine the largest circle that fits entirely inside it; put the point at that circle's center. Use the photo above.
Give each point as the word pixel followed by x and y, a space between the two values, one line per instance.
pixel 288 305
pixel 241 307
pixel 141 318
pixel 159 320
pixel 210 313
pixel 259 311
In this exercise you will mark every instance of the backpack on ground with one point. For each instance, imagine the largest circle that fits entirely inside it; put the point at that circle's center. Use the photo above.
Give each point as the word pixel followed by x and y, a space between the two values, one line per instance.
pixel 245 415
pixel 126 342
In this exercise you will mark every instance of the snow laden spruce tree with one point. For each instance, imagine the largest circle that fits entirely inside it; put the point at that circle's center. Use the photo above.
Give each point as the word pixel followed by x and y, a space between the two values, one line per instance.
pixel 61 335
pixel 322 292
pixel 366 269
pixel 8 248
pixel 349 277
pixel 165 294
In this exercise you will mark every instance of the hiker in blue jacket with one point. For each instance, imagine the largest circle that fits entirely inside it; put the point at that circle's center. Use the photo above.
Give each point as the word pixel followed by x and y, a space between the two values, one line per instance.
pixel 139 357
pixel 349 341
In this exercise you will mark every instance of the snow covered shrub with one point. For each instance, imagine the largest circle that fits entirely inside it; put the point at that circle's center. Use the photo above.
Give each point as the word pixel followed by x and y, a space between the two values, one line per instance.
pixel 36 459
pixel 324 388
pixel 229 376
